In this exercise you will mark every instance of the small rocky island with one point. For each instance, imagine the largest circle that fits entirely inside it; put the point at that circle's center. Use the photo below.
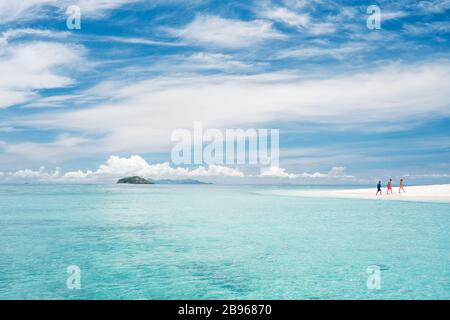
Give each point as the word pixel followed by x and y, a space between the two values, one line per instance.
pixel 136 180
pixel 140 180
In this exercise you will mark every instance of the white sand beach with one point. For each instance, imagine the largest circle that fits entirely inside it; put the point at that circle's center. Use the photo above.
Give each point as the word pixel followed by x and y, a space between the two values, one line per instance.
pixel 430 193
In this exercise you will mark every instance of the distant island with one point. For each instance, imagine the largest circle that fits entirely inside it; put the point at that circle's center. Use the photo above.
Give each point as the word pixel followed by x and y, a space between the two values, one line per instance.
pixel 136 180
pixel 140 180
pixel 183 181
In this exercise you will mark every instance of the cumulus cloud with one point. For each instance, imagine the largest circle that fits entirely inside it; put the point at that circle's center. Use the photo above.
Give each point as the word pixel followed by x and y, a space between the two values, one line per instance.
pixel 77 175
pixel 119 167
pixel 216 171
pixel 227 33
pixel 277 172
pixel 136 165
pixel 337 172
pixel 40 174
pixel 116 167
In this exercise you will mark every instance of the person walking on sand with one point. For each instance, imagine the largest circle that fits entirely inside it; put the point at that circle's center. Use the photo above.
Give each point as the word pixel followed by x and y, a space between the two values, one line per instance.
pixel 402 186
pixel 379 188
pixel 389 186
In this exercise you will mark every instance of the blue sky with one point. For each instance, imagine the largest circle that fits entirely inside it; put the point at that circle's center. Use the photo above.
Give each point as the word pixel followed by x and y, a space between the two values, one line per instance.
pixel 353 105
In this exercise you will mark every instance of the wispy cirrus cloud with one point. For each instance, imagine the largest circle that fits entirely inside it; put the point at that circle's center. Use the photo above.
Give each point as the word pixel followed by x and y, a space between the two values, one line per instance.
pixel 35 66
pixel 300 21
pixel 8 129
pixel 398 95
pixel 434 6
pixel 390 15
pixel 22 10
pixel 27 10
pixel 64 36
pixel 288 17
pixel 202 61
pixel 426 28
pixel 208 30
pixel 11 34
pixel 312 52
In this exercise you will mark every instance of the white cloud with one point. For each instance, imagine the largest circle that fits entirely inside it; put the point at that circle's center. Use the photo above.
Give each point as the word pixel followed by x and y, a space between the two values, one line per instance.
pixel 52 101
pixel 33 66
pixel 204 60
pixel 21 10
pixel 418 29
pixel 320 28
pixel 129 40
pixel 390 15
pixel 322 51
pixel 120 167
pixel 64 147
pixel 41 174
pixel 47 34
pixel 216 171
pixel 227 33
pixel 96 8
pixel 18 33
pixel 389 97
pixel 337 172
pixel 116 167
pixel 300 21
pixel 434 6
pixel 136 165
pixel 277 172
pixel 8 129
pixel 201 61
pixel 300 4
pixel 288 17
pixel 27 10
pixel 77 175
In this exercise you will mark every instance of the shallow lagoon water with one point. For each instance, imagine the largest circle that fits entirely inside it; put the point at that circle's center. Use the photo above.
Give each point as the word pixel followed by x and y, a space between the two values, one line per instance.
pixel 217 242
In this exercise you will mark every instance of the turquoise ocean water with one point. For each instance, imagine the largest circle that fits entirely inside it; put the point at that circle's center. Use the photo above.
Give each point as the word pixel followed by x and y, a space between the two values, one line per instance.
pixel 214 242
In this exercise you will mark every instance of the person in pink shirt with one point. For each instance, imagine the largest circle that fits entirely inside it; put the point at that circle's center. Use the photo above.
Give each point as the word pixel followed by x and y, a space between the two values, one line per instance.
pixel 389 186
